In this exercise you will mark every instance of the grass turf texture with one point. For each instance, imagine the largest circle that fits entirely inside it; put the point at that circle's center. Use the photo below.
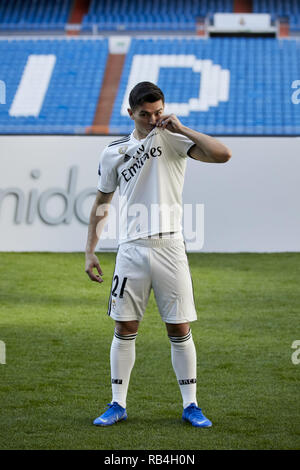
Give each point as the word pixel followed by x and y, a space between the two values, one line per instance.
pixel 56 379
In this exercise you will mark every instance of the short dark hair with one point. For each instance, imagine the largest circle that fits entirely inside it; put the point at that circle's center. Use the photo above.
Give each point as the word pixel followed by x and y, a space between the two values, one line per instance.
pixel 145 92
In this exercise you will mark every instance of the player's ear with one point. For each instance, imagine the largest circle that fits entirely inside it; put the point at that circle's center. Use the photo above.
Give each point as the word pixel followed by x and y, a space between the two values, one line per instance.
pixel 130 112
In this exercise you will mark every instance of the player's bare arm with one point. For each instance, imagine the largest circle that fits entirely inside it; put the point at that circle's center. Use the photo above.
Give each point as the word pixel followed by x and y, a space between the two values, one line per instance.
pixel 98 217
pixel 206 149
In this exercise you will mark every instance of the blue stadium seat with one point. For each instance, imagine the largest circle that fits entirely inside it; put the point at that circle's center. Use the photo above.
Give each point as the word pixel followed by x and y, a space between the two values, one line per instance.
pixel 150 15
pixel 289 9
pixel 261 73
pixel 29 15
pixel 72 94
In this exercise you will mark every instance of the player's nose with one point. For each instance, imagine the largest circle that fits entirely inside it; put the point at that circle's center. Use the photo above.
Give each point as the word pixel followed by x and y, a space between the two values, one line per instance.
pixel 153 120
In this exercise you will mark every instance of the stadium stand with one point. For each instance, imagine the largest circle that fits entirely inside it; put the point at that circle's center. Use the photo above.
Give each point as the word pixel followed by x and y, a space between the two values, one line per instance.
pixel 67 92
pixel 222 85
pixel 260 75
pixel 150 15
pixel 253 97
pixel 34 15
pixel 289 9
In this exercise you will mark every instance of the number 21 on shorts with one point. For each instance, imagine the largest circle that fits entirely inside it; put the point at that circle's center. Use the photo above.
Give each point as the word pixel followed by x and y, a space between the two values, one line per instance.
pixel 116 283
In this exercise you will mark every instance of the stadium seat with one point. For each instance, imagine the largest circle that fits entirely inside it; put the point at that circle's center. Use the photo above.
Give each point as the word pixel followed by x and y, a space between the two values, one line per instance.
pixel 228 86
pixel 28 15
pixel 150 15
pixel 59 96
pixel 289 9
pixel 246 81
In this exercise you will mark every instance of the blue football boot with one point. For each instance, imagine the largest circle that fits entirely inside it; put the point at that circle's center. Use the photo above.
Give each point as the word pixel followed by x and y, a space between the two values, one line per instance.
pixel 112 415
pixel 194 415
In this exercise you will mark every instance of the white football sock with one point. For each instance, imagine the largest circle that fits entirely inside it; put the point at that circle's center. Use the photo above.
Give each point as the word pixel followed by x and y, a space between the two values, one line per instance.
pixel 184 361
pixel 122 358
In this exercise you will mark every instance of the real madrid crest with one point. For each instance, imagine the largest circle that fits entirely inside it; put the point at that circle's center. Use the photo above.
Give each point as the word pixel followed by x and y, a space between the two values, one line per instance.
pixel 122 150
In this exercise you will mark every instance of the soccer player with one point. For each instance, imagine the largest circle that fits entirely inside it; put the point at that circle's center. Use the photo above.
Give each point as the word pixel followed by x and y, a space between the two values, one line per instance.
pixel 148 167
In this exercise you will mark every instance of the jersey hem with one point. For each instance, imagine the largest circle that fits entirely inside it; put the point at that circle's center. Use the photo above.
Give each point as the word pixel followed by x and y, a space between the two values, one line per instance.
pixel 144 236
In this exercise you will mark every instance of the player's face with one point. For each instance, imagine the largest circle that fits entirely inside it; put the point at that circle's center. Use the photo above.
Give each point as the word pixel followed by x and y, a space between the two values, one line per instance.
pixel 146 116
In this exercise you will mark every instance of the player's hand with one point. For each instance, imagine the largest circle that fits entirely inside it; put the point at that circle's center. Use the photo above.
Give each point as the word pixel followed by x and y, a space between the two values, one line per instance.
pixel 91 262
pixel 170 122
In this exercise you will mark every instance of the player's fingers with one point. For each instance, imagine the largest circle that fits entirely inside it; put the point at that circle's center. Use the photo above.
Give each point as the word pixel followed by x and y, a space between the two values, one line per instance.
pixel 165 122
pixel 161 120
pixel 97 278
pixel 98 267
pixel 92 276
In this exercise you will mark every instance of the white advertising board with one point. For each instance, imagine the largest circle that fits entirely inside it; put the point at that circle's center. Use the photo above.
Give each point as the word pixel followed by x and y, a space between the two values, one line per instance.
pixel 237 22
pixel 250 204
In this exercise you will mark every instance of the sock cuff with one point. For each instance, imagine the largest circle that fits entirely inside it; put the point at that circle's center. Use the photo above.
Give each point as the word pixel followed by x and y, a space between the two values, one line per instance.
pixel 181 339
pixel 125 337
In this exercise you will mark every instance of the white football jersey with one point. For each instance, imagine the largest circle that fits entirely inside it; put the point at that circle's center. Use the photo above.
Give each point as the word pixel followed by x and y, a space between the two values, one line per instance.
pixel 150 176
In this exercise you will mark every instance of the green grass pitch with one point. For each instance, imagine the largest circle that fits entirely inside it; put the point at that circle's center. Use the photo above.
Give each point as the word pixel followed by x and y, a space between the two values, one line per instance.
pixel 56 379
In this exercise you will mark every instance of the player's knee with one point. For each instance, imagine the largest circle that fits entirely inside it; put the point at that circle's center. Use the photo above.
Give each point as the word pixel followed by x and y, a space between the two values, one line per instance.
pixel 180 329
pixel 127 327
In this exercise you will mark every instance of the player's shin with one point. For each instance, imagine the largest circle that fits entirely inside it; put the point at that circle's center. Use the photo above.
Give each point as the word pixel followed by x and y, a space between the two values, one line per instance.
pixel 184 361
pixel 122 358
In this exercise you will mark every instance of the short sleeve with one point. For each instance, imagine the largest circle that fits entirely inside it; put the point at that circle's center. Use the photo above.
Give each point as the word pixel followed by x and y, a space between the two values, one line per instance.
pixel 107 174
pixel 180 143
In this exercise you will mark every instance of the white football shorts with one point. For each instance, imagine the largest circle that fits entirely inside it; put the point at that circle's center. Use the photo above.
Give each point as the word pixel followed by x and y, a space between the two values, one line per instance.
pixel 158 264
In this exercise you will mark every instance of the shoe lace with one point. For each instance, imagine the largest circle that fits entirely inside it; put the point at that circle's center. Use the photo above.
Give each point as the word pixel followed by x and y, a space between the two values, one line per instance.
pixel 108 409
pixel 112 405
pixel 195 410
